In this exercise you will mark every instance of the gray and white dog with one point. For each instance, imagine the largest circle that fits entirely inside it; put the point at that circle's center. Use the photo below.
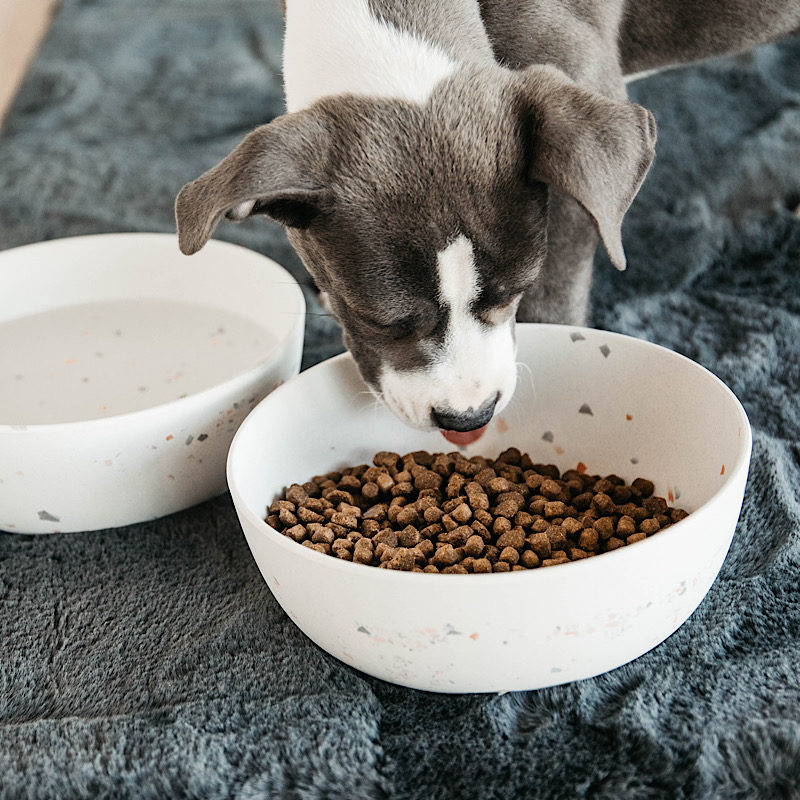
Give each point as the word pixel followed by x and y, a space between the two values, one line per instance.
pixel 447 165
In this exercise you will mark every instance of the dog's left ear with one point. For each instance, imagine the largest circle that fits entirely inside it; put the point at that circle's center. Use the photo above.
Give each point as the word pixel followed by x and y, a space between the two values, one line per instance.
pixel 595 149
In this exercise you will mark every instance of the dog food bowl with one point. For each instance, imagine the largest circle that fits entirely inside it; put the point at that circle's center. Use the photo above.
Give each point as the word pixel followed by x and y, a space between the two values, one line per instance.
pixel 125 370
pixel 616 403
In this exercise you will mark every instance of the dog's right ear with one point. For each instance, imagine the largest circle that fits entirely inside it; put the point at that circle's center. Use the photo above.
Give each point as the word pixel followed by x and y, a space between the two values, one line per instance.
pixel 277 170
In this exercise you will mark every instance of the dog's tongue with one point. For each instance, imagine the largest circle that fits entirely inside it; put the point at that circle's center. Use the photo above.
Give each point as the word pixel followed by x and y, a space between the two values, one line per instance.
pixel 463 438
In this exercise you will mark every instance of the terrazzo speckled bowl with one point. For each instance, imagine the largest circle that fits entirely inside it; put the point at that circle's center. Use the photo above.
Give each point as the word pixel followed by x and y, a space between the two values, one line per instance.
pixel 616 403
pixel 125 370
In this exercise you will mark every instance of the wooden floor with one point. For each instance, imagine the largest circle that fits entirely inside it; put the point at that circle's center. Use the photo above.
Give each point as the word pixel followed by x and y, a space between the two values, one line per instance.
pixel 23 23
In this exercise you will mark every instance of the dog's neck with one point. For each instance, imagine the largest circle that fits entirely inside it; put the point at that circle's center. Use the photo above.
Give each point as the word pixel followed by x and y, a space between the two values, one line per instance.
pixel 378 48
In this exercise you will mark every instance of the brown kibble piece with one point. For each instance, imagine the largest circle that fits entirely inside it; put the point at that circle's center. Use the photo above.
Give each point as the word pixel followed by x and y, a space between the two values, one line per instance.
pixel 677 514
pixel 588 539
pixel 325 549
pixel 323 535
pixel 655 505
pixel 444 556
pixel 604 527
pixel 362 552
pixel 409 536
pixel 554 562
pixel 480 565
pixel 513 538
pixel 296 532
pixel 406 516
pixel 636 537
pixel 529 559
pixel 474 546
pixel 386 537
pixel 461 513
pixel 643 486
pixel 402 559
pixel 345 520
pixel 571 526
pixel 510 555
pixel 557 536
pixel 603 504
pixel 498 485
pixel 296 494
pixel 286 517
pixel 649 526
pixel 540 544
pixel 625 526
pixel 501 525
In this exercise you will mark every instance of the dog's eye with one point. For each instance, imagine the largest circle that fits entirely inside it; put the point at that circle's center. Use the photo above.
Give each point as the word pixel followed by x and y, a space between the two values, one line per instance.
pixel 501 312
pixel 401 329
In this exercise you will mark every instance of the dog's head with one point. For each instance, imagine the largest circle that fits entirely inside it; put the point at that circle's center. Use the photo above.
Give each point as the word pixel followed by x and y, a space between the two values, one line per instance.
pixel 425 224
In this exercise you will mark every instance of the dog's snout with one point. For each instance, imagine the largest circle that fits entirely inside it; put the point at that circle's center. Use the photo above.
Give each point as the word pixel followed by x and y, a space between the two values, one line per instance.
pixel 450 420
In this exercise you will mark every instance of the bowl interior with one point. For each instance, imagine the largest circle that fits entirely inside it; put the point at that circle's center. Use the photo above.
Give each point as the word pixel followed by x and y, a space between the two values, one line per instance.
pixel 98 326
pixel 615 403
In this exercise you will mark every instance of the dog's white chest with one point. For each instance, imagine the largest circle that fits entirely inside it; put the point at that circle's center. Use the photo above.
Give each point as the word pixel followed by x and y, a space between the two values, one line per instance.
pixel 341 48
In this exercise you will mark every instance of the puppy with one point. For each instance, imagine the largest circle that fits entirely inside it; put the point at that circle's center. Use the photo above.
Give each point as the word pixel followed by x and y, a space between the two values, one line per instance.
pixel 447 166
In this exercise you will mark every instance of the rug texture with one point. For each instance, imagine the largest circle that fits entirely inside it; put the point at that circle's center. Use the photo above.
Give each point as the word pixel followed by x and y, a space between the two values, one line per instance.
pixel 153 662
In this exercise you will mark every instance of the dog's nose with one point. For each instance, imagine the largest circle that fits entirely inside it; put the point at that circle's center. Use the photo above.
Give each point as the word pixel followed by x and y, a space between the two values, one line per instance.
pixel 449 420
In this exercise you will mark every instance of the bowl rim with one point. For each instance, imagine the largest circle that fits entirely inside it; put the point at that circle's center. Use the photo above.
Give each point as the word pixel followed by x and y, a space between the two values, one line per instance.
pixel 169 406
pixel 260 526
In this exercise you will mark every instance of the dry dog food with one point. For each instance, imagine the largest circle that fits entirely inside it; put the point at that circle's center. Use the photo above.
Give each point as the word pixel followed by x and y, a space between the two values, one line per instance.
pixel 443 512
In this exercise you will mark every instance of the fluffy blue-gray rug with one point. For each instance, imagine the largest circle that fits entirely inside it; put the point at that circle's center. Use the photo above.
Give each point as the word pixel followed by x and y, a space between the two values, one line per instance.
pixel 153 662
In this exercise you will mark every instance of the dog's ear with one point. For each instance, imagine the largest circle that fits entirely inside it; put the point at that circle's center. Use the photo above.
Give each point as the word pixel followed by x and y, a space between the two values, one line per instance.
pixel 595 149
pixel 276 170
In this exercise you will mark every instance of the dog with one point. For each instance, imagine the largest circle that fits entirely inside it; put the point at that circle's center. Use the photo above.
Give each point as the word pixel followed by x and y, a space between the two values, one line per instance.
pixel 448 166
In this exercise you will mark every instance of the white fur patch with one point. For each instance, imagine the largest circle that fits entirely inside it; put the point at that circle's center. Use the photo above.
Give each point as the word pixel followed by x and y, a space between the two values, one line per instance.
pixel 475 362
pixel 338 47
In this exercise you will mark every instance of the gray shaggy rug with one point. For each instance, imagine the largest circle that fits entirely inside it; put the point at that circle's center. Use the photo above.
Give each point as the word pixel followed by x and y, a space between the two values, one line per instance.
pixel 152 661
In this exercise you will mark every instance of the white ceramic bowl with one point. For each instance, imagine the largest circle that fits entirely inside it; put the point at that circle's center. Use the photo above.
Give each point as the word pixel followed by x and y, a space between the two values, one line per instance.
pixel 616 403
pixel 125 369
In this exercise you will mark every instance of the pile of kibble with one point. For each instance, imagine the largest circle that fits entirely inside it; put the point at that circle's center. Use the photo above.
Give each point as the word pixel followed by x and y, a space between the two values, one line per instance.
pixel 443 512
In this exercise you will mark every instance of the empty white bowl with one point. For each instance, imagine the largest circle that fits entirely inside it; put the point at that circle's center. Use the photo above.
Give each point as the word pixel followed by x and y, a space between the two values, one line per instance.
pixel 616 403
pixel 125 369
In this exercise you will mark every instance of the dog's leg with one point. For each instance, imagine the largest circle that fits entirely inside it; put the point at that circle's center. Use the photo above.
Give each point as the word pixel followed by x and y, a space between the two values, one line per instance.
pixel 665 33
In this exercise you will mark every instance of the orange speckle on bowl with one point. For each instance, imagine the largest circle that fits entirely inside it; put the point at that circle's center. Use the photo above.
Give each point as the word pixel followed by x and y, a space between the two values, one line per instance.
pixel 628 417
pixel 581 467
pixel 722 471
pixel 170 437
pixel 558 448
pixel 171 477
pixel 502 425
pixel 670 496
pixel 108 462
pixel 473 636
pixel 19 472
pixel 104 408
pixel 70 360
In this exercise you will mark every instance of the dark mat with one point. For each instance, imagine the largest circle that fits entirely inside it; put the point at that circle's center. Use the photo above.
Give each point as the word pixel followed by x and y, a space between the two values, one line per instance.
pixel 153 662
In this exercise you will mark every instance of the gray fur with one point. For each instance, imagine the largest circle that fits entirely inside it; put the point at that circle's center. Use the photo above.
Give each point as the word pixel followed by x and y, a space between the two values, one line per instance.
pixel 529 161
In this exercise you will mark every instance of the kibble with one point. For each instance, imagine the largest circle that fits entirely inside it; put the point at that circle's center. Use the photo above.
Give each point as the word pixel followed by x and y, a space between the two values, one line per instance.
pixel 445 513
